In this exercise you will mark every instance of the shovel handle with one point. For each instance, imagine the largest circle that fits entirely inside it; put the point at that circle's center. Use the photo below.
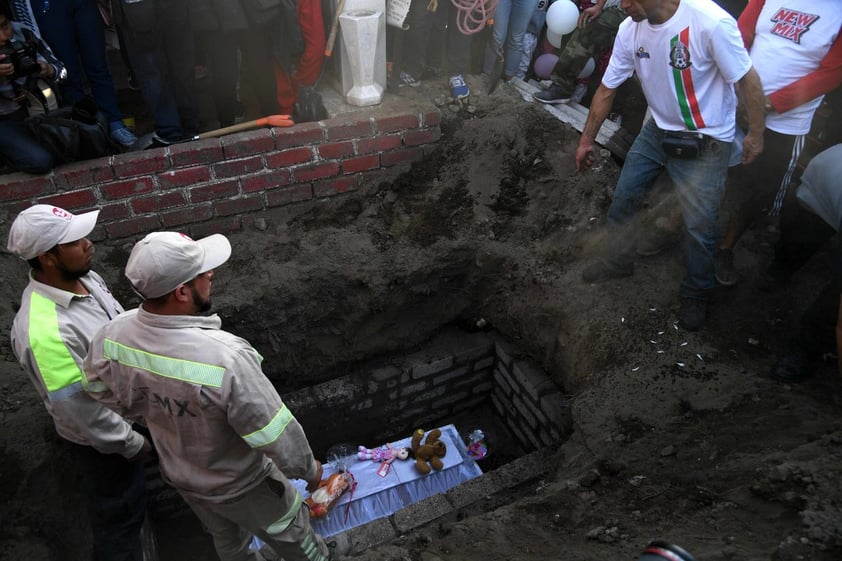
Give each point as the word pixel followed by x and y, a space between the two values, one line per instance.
pixel 333 27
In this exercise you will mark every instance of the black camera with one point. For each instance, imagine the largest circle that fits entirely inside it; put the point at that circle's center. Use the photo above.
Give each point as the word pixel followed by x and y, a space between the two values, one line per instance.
pixel 22 57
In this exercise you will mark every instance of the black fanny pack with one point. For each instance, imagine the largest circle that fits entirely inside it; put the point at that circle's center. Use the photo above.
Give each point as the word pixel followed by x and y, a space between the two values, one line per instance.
pixel 682 144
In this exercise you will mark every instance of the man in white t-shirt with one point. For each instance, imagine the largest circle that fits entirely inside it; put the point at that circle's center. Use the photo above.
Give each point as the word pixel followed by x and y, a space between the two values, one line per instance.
pixel 688 54
pixel 797 51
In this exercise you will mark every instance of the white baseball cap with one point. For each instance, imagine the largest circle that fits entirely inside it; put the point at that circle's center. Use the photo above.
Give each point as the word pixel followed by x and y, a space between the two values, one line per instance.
pixel 163 260
pixel 40 228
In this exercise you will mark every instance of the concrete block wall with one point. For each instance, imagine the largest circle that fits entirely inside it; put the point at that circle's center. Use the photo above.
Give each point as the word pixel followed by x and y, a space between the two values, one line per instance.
pixel 531 402
pixel 214 185
pixel 428 389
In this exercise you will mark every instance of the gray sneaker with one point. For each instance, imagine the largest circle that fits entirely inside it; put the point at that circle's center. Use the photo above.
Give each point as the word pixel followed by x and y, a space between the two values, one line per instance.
pixel 726 273
pixel 553 94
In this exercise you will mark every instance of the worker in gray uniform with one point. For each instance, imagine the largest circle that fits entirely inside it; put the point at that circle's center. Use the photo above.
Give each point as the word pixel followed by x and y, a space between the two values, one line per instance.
pixel 226 440
pixel 62 307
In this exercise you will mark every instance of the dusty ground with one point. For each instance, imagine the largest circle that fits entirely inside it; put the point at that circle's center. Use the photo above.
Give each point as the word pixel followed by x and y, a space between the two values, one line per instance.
pixel 695 445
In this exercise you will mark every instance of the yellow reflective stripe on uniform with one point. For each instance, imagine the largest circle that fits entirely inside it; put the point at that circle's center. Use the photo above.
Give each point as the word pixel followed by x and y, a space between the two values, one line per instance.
pixel 283 523
pixel 311 548
pixel 168 367
pixel 271 431
pixel 56 365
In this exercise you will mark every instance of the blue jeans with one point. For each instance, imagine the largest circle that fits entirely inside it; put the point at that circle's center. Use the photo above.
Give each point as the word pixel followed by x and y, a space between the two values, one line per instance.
pixel 19 149
pixel 162 57
pixel 510 21
pixel 700 183
pixel 73 30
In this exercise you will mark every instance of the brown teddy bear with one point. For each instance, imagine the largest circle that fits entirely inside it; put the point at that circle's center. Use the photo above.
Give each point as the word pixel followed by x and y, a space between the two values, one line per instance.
pixel 431 451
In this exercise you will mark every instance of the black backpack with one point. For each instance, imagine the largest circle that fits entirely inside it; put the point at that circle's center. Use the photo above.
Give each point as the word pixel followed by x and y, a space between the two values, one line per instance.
pixel 73 133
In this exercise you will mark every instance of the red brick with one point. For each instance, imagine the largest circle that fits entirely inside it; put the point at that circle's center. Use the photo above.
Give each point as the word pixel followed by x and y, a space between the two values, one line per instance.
pixel 72 200
pixel 217 226
pixel 318 171
pixel 431 118
pixel 205 151
pixel 287 158
pixel 336 150
pixel 287 195
pixel 378 143
pixel 127 188
pixel 210 191
pixel 236 168
pixel 155 203
pixel 227 207
pixel 396 123
pixel 114 211
pixel 299 135
pixel 139 163
pixel 247 143
pixel 17 186
pixel 349 129
pixel 335 186
pixel 264 181
pixel 132 226
pixel 362 163
pixel 186 215
pixel 184 176
pixel 401 156
pixel 83 174
pixel 427 136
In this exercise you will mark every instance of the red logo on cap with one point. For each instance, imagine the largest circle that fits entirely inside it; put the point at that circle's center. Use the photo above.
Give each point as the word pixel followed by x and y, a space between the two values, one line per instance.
pixel 61 213
pixel 185 236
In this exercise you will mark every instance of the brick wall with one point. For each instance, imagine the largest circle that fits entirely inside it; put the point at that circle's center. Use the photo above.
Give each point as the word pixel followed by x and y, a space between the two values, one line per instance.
pixel 211 185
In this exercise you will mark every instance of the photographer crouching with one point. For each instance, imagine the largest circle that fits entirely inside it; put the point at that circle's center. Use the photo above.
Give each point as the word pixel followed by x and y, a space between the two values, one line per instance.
pixel 23 56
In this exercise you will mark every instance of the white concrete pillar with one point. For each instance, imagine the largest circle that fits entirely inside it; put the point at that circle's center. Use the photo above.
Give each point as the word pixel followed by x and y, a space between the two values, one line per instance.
pixel 343 79
pixel 360 34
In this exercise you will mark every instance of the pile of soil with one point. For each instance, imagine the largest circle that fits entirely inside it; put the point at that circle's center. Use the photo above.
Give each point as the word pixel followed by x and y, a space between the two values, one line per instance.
pixel 676 436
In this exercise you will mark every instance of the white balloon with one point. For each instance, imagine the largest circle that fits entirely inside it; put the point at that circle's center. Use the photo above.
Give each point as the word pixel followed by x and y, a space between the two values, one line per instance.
pixel 562 17
pixel 554 38
pixel 590 66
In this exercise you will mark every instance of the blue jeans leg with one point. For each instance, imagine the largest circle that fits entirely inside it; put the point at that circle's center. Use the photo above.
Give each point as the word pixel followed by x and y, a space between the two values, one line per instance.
pixel 644 162
pixel 701 184
pixel 21 151
pixel 494 47
pixel 518 22
pixel 74 31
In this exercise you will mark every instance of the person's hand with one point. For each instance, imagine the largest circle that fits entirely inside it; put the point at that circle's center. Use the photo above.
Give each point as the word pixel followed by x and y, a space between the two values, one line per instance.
pixel 313 484
pixel 6 66
pixel 589 14
pixel 47 70
pixel 584 156
pixel 146 452
pixel 752 147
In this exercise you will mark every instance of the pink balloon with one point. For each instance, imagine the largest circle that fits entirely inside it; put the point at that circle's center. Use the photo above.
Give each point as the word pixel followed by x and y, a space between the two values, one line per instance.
pixel 544 65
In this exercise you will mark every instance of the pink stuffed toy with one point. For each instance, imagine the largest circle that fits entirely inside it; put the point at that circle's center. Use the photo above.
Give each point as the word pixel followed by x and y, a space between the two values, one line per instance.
pixel 384 454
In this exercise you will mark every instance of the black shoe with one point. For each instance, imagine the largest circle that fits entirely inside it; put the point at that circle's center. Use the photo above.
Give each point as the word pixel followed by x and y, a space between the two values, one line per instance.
pixel 726 273
pixel 693 313
pixel 601 270
pixel 553 94
pixel 792 368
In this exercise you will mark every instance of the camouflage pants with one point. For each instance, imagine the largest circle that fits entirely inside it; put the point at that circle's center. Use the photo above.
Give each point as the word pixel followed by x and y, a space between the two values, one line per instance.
pixel 586 43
